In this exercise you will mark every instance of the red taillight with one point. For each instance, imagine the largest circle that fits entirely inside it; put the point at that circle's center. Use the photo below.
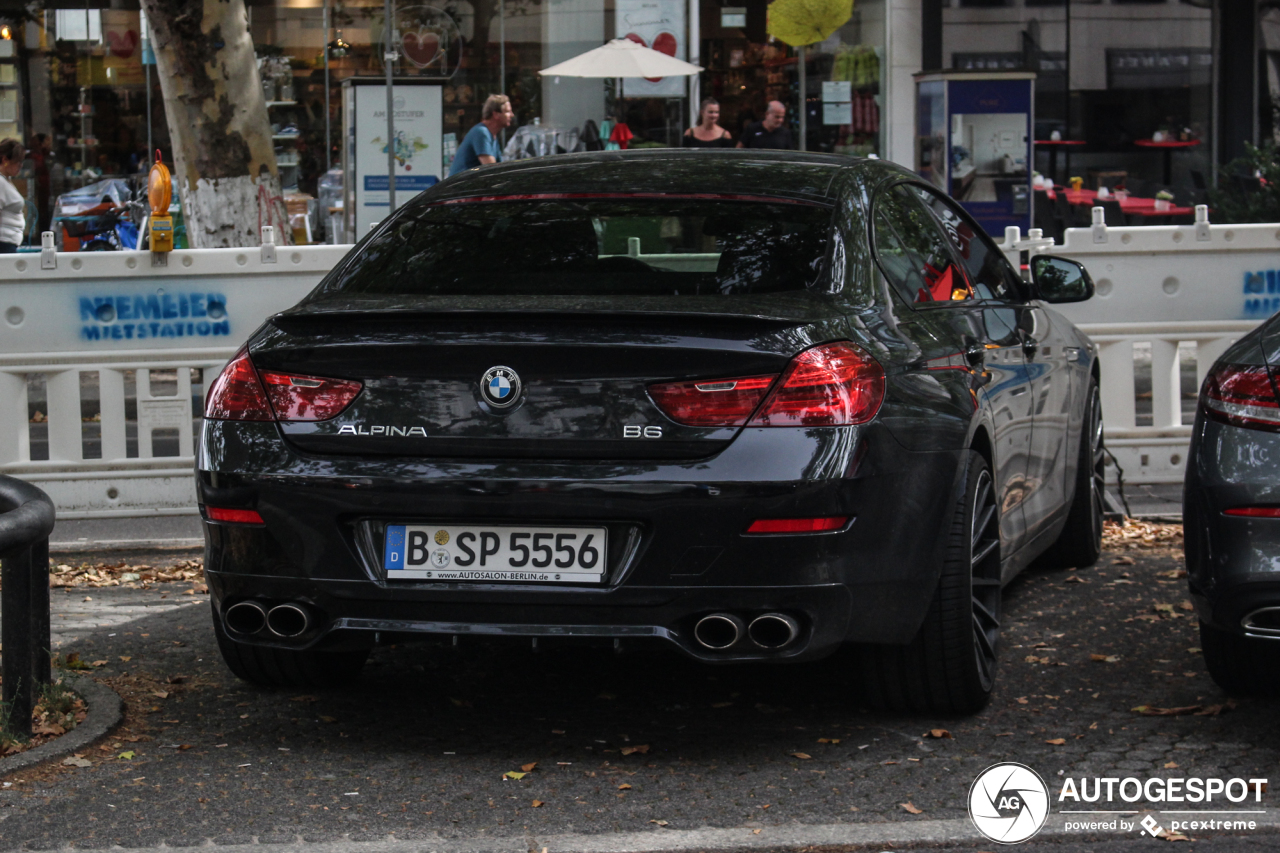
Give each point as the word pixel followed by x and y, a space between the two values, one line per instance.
pixel 1242 395
pixel 308 398
pixel 834 384
pixel 1254 511
pixel 235 516
pixel 722 402
pixel 238 394
pixel 797 525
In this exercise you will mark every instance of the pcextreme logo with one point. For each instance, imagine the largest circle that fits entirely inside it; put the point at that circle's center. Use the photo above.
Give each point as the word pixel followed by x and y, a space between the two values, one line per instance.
pixel 1009 803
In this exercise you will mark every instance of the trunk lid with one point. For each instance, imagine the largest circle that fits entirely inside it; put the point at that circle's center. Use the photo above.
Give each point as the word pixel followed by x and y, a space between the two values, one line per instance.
pixel 581 370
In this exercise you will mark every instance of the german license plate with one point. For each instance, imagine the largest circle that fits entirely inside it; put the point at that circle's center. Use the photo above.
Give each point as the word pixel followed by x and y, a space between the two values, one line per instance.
pixel 472 553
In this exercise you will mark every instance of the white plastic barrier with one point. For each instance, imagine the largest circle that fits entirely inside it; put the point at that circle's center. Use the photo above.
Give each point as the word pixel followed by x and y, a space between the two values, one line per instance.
pixel 1165 294
pixel 147 338
pixel 123 349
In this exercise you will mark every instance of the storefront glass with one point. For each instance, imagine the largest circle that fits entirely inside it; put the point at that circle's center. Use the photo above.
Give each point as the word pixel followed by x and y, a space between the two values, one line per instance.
pixel 746 69
pixel 1137 110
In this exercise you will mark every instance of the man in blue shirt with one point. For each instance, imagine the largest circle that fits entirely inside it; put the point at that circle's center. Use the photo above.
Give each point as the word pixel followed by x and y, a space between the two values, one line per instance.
pixel 480 146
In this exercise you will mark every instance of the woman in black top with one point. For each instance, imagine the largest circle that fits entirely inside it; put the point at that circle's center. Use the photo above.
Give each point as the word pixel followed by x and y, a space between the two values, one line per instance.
pixel 708 133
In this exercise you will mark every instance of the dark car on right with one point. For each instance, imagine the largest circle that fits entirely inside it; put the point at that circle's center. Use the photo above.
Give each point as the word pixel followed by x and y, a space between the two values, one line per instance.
pixel 1231 514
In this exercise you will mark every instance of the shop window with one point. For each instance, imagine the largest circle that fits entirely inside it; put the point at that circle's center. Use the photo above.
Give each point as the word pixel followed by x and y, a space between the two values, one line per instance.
pixel 79 24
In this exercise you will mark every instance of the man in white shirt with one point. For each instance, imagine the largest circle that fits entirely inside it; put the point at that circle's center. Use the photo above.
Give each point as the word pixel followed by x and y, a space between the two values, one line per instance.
pixel 13 206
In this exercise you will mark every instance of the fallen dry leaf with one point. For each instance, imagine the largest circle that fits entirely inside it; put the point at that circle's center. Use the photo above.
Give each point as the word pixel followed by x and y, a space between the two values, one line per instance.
pixel 528 768
pixel 832 740
pixel 801 755
pixel 624 787
pixel 1104 658
pixel 938 733
pixel 1171 765
pixel 1123 561
pixel 911 807
pixel 160 694
pixel 642 749
pixel 76 761
pixel 515 774
pixel 1057 741
pixel 537 804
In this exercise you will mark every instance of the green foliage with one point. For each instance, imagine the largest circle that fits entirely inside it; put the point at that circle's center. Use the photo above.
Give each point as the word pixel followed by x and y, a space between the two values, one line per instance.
pixel 1240 197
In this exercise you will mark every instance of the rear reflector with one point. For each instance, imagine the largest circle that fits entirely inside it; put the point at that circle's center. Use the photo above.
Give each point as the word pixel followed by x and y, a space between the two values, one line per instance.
pixel 797 525
pixel 1254 511
pixel 1241 395
pixel 835 384
pixel 239 394
pixel 235 516
pixel 718 402
pixel 308 398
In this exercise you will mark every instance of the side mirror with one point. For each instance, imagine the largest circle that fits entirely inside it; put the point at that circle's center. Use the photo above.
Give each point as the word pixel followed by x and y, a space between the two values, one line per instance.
pixel 1060 279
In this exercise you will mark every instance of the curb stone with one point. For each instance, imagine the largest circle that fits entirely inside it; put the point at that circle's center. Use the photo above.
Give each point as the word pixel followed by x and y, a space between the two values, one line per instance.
pixel 105 710
pixel 776 839
pixel 110 545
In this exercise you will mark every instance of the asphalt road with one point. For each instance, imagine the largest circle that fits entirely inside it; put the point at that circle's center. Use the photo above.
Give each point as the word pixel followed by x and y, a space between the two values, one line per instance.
pixel 639 742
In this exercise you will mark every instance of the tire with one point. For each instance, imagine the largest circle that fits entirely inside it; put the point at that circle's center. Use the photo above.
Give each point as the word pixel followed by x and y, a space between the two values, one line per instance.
pixel 1080 543
pixel 1242 666
pixel 950 666
pixel 272 667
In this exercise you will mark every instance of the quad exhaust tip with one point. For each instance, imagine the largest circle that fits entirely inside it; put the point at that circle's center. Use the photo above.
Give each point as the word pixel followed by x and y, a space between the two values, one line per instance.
pixel 773 630
pixel 245 617
pixel 1264 621
pixel 719 631
pixel 288 620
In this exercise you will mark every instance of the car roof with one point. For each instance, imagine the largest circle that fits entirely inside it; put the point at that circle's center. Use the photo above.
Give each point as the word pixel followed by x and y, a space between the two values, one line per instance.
pixel 784 174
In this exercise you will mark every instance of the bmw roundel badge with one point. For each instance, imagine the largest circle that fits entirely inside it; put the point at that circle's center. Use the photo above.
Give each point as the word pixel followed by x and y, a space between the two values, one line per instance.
pixel 500 387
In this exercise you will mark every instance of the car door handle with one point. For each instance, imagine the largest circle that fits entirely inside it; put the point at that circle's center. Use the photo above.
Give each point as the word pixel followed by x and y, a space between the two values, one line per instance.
pixel 975 354
pixel 1029 346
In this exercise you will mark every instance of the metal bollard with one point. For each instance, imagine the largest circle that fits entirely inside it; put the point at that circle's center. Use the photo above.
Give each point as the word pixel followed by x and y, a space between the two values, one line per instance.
pixel 26 520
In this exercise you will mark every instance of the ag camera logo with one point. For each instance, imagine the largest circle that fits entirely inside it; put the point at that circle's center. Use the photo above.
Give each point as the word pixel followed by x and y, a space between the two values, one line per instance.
pixel 1008 802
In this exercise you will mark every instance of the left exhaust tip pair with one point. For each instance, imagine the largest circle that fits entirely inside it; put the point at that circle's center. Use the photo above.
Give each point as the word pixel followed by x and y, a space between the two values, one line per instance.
pixel 250 617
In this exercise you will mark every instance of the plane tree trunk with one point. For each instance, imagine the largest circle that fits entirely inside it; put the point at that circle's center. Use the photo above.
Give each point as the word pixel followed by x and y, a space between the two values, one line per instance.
pixel 225 165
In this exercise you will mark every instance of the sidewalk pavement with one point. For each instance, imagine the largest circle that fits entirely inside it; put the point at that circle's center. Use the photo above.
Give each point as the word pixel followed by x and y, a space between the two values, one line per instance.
pixel 491 746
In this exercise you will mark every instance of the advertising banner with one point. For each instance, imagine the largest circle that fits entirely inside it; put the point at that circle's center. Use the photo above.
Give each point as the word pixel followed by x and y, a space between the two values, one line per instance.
pixel 417 146
pixel 659 24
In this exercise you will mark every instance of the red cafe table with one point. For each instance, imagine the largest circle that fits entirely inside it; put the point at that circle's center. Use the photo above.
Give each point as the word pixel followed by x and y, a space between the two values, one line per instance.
pixel 1053 145
pixel 1167 146
pixel 1129 205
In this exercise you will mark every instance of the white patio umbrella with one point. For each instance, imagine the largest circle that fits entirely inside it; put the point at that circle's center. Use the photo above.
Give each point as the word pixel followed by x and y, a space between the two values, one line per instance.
pixel 622 58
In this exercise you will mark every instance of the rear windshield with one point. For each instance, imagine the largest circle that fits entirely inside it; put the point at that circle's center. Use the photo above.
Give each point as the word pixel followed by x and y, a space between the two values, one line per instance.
pixel 588 247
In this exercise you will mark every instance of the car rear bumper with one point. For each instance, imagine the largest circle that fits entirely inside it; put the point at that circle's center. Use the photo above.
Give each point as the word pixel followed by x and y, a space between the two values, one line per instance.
pixel 678 548
pixel 1233 562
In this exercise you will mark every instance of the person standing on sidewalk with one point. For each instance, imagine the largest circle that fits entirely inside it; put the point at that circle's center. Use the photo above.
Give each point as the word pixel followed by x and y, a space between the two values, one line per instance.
pixel 770 133
pixel 708 133
pixel 480 147
pixel 13 207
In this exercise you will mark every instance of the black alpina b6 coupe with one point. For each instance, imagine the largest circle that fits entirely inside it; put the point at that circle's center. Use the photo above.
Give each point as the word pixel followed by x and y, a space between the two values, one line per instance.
pixel 759 406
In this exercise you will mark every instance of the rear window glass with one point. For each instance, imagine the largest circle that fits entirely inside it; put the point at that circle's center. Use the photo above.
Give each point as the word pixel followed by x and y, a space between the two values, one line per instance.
pixel 668 246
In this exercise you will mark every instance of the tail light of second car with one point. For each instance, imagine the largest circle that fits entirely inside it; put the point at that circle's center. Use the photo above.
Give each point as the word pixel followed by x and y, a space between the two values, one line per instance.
pixel 1243 395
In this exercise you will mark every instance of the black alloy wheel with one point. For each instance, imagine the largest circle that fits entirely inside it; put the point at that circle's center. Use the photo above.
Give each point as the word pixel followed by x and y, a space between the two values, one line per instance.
pixel 984 572
pixel 950 665
pixel 1080 543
